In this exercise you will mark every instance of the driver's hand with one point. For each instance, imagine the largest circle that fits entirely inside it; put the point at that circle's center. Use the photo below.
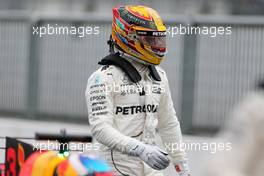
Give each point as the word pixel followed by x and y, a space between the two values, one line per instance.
pixel 150 154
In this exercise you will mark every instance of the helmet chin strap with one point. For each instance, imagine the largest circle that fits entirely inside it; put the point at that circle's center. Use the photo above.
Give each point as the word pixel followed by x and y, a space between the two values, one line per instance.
pixel 111 44
pixel 133 58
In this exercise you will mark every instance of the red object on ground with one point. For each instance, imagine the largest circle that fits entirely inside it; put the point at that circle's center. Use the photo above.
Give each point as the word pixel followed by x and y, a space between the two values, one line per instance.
pixel 2 169
pixel 27 166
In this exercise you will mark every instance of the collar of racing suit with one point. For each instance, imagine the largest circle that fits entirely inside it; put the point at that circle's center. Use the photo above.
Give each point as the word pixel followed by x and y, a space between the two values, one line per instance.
pixel 141 67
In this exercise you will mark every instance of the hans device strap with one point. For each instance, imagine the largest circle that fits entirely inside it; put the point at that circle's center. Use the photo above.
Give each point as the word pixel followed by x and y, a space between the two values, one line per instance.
pixel 128 68
pixel 154 73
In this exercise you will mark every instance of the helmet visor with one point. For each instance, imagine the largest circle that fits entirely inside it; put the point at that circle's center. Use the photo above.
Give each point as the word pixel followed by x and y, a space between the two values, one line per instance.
pixel 155 39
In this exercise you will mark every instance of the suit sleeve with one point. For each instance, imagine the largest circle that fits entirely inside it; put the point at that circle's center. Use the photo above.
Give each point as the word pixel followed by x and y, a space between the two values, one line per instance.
pixel 169 126
pixel 100 103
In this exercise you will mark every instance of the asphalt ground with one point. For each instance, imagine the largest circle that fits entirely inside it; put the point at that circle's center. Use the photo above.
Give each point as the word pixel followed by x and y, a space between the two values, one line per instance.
pixel 17 127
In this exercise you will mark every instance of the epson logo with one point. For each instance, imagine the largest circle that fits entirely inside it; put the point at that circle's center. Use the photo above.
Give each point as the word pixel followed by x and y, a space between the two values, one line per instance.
pixel 99 97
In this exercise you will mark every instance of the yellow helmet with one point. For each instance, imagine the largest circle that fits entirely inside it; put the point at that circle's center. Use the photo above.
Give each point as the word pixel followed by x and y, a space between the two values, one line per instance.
pixel 140 32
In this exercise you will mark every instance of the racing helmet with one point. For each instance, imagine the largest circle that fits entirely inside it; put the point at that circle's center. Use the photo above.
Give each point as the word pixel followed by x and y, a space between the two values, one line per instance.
pixel 140 32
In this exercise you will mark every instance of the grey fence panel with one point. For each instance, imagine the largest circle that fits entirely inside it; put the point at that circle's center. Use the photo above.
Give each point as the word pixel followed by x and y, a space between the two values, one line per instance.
pixel 172 64
pixel 14 49
pixel 66 62
pixel 227 68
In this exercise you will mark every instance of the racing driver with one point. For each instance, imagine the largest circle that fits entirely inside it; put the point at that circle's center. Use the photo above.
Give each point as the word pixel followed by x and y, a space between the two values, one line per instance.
pixel 129 100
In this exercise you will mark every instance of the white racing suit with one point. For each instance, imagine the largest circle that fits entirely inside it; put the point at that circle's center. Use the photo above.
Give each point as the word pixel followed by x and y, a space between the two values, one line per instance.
pixel 117 115
pixel 246 134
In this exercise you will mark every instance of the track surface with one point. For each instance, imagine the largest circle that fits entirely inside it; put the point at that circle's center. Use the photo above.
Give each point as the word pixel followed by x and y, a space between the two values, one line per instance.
pixel 27 128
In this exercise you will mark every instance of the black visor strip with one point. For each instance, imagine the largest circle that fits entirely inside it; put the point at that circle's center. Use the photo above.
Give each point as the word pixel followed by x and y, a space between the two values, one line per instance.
pixel 151 33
